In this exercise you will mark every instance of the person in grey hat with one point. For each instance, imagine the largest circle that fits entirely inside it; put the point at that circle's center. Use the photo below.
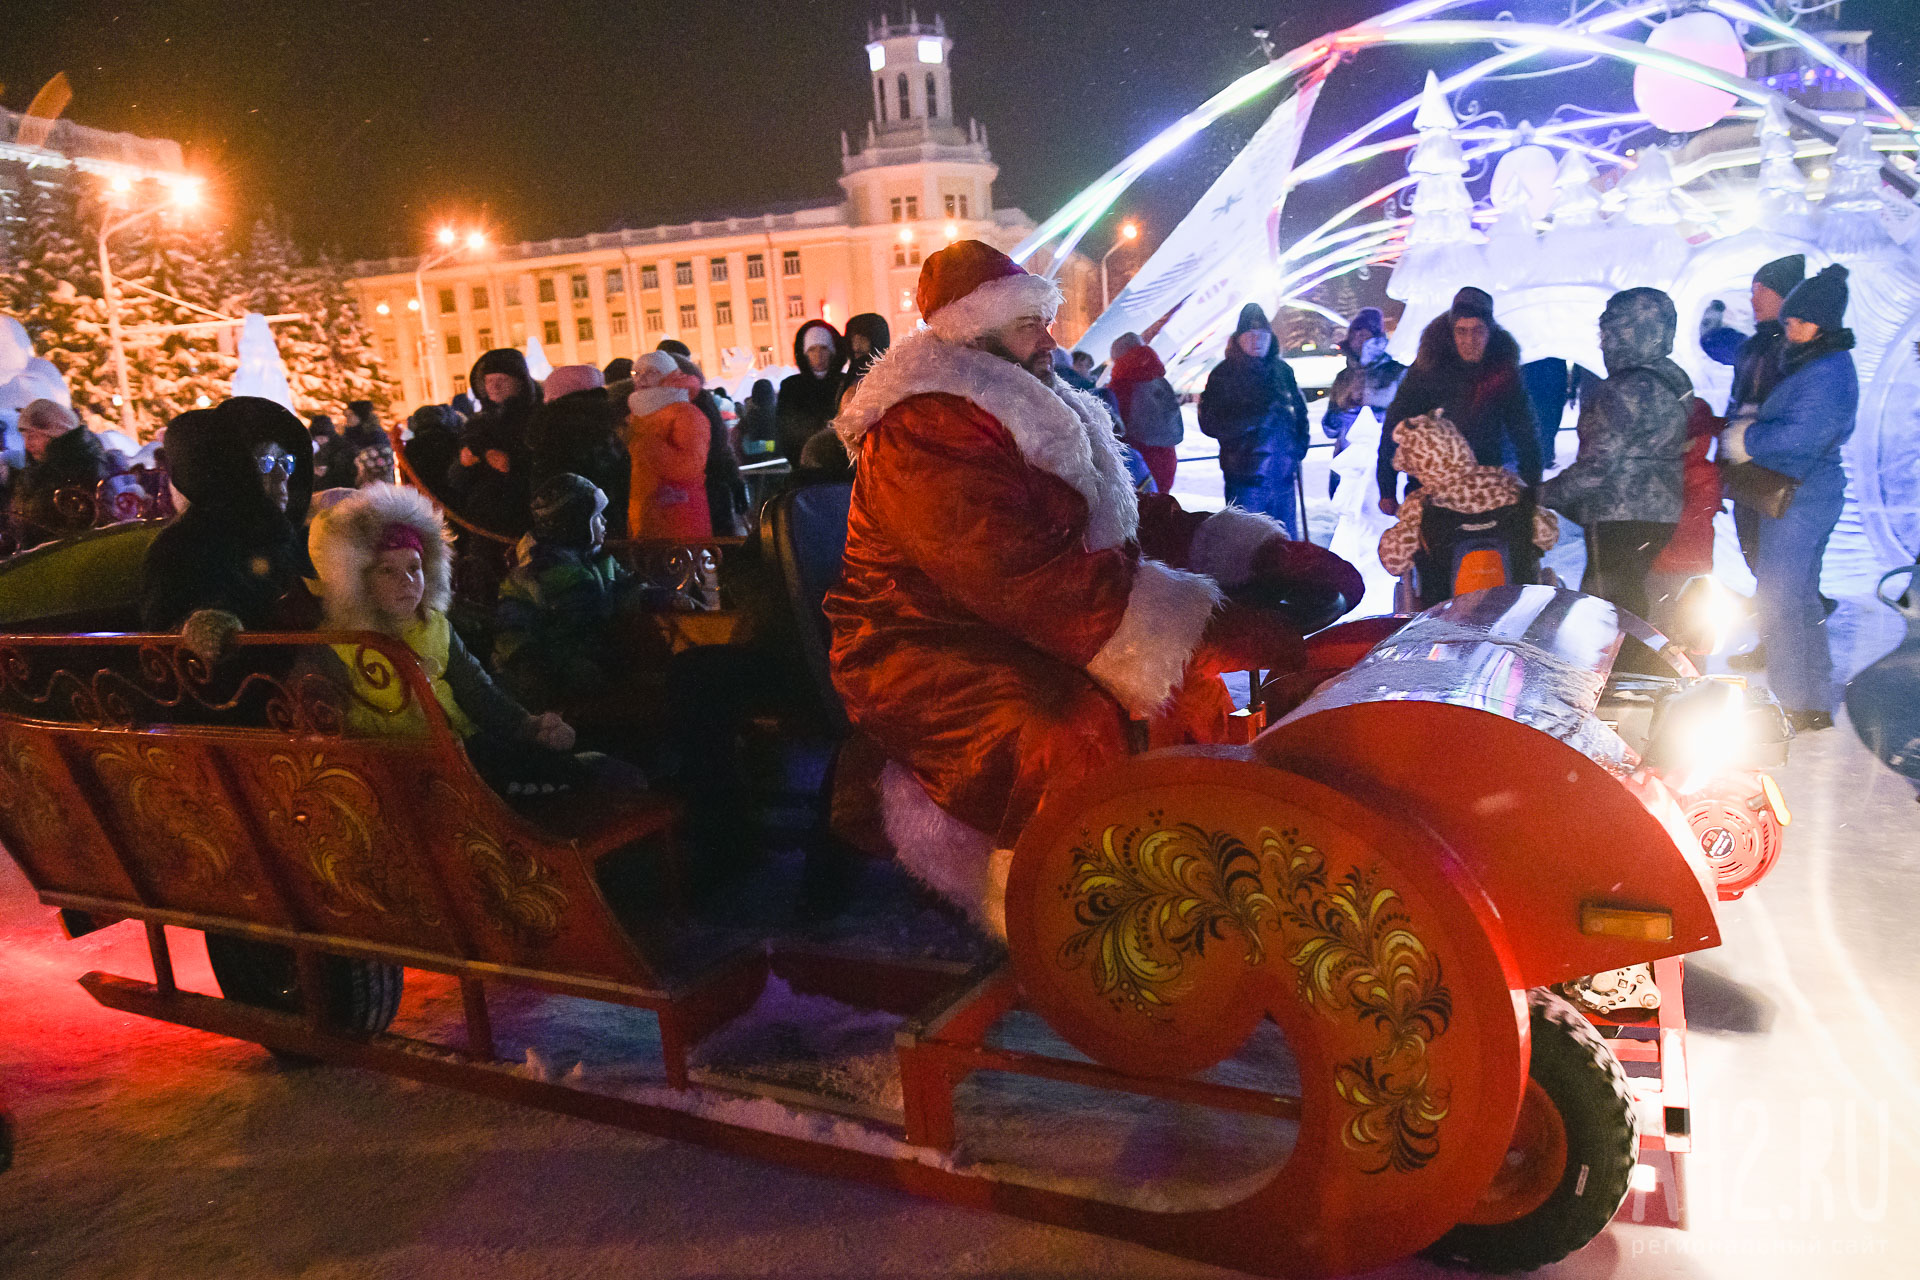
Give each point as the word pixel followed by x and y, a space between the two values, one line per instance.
pixel 1252 405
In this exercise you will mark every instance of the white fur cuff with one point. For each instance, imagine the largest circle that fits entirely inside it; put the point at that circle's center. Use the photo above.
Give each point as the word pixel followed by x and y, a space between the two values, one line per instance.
pixel 1167 612
pixel 1224 545
pixel 994 304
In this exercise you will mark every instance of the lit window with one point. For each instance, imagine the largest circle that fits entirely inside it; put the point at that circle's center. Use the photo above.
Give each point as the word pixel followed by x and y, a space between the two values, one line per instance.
pixel 655 323
pixel 906 97
pixel 510 293
pixel 485 339
pixel 759 310
pixel 453 344
pixel 933 95
pixel 619 321
pixel 583 328
pixel 913 208
pixel 616 281
pixel 580 288
pixel 717 271
pixel 649 277
pixel 796 306
pixel 479 297
pixel 689 318
pixel 683 273
pixel 546 289
pixel 756 266
pixel 447 303
pixel 790 262
pixel 550 332
pixel 876 57
pixel 723 312
pixel 929 51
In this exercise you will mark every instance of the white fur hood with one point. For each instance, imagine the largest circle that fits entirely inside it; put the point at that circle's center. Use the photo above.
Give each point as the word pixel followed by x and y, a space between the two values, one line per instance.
pixel 341 543
pixel 1059 430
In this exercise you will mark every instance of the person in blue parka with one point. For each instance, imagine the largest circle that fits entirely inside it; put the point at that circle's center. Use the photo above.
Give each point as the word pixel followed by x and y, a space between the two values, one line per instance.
pixel 1799 431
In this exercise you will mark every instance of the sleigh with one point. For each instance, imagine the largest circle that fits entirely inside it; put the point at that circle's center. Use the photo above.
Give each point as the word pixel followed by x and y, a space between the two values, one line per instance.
pixel 1297 1006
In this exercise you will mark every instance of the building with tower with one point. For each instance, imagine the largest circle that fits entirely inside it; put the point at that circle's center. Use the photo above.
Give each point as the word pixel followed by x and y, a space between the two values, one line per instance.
pixel 736 289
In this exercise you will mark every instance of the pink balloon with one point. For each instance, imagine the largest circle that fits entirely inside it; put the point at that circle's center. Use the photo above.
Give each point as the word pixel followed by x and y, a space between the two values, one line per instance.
pixel 1675 103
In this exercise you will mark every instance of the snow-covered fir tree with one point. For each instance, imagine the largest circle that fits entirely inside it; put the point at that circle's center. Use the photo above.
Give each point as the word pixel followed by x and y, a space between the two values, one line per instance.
pixel 51 283
pixel 53 288
pixel 172 372
pixel 355 369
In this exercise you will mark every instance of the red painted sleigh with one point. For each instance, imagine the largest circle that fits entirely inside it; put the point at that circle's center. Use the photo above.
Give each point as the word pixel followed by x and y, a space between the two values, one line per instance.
pixel 1308 993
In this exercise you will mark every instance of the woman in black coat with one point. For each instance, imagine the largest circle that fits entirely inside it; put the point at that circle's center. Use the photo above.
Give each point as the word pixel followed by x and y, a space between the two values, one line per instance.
pixel 245 467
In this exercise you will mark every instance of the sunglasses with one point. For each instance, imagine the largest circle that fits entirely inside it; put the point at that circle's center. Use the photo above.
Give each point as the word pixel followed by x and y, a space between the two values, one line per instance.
pixel 282 464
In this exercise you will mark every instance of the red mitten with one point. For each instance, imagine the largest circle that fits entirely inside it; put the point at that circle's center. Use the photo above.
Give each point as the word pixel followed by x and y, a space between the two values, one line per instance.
pixel 1242 639
pixel 1285 562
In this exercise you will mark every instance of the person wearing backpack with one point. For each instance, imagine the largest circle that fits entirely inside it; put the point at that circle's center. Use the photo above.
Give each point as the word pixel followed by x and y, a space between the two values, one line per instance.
pixel 1254 408
pixel 1149 407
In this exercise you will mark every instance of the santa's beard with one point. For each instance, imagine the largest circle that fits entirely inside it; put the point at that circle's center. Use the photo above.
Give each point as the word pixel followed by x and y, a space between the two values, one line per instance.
pixel 1039 364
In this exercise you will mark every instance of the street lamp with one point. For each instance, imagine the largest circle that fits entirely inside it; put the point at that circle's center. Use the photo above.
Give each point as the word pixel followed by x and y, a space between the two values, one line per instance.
pixel 1128 233
pixel 183 193
pixel 451 244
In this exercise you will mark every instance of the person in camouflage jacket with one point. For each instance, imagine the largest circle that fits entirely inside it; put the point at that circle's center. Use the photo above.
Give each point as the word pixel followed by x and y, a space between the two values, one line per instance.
pixel 558 605
pixel 1625 487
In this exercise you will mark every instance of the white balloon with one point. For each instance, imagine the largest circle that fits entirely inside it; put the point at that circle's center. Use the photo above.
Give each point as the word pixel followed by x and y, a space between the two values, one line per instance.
pixel 1675 103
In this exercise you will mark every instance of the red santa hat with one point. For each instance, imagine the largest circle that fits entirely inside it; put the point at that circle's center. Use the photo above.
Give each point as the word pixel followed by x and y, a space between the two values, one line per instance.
pixel 970 288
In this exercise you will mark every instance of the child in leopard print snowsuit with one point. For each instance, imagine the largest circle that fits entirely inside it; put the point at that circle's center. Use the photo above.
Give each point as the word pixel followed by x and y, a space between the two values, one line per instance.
pixel 1431 450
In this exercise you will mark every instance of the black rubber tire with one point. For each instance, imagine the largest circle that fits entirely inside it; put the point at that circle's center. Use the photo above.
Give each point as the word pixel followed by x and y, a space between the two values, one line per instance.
pixel 362 995
pixel 1583 1079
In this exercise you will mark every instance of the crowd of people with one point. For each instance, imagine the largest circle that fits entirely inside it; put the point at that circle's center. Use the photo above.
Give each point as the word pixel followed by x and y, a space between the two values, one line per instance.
pixel 1654 459
pixel 534 475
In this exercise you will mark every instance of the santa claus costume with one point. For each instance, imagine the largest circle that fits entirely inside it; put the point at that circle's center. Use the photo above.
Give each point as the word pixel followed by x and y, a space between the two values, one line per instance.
pixel 1008 598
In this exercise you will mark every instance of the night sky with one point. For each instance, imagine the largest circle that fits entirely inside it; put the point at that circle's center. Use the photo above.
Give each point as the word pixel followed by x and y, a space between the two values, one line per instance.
pixel 367 123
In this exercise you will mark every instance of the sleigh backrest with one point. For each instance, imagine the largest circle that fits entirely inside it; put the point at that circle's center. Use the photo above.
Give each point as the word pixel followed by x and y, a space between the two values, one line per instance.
pixel 272 797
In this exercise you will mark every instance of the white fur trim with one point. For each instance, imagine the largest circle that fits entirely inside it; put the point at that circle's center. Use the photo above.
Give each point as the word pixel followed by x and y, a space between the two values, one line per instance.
pixel 1058 430
pixel 1224 545
pixel 648 400
pixel 994 305
pixel 1167 612
pixel 942 852
pixel 341 543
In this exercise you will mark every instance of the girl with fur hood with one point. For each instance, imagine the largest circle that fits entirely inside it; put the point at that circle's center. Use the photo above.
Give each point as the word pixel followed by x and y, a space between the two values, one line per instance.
pixel 384 564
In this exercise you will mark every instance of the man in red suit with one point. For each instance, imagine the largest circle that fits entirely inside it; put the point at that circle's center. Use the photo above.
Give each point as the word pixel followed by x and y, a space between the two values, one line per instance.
pixel 1008 598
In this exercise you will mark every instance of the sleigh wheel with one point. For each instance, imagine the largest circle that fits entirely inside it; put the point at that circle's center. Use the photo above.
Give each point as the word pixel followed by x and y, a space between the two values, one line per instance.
pixel 1570 1161
pixel 362 996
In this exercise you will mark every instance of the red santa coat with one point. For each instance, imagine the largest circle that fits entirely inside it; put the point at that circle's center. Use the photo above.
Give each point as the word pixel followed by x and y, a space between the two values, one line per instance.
pixel 999 614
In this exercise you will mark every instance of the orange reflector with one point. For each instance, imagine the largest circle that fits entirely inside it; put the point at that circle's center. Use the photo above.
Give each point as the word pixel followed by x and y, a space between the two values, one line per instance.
pixel 1626 922
pixel 1775 801
pixel 1478 571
